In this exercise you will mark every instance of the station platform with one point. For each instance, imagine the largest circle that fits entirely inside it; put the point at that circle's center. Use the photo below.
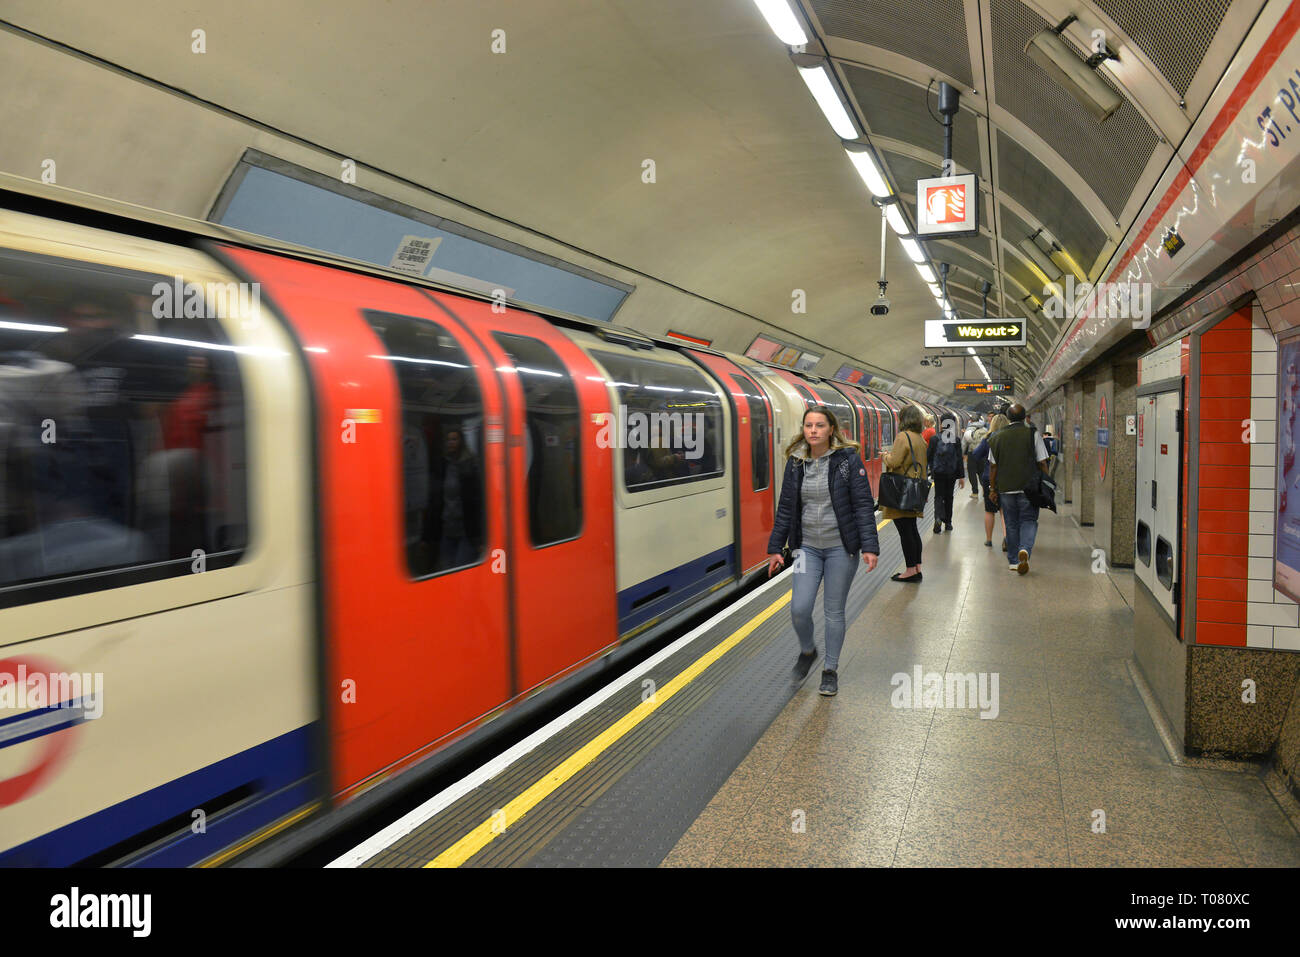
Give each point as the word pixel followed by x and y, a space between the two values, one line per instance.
pixel 711 756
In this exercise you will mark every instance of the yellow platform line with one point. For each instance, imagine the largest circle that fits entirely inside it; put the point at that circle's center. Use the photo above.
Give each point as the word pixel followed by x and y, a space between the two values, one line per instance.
pixel 500 822
pixel 481 836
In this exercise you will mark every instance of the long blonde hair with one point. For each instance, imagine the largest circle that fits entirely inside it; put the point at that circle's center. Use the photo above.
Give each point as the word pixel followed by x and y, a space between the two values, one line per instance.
pixel 837 439
pixel 998 421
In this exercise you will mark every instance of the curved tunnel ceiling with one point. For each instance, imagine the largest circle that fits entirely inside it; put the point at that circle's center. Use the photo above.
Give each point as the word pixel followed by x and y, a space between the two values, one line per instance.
pixel 754 197
pixel 1045 164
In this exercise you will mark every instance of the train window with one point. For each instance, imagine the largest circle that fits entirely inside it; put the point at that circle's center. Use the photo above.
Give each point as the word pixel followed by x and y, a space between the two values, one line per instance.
pixel 551 439
pixel 122 452
pixel 867 408
pixel 809 400
pixel 760 439
pixel 669 422
pixel 845 414
pixel 886 424
pixel 441 444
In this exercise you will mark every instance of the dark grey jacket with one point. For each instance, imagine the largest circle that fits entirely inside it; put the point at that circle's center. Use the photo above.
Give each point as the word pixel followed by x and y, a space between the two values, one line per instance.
pixel 855 510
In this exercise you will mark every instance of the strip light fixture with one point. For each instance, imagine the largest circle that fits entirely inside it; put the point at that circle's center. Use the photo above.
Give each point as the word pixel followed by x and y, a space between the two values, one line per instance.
pixel 816 74
pixel 818 79
pixel 783 22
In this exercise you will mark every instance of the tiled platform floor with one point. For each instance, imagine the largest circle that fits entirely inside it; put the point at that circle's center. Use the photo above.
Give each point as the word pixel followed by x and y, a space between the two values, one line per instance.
pixel 877 785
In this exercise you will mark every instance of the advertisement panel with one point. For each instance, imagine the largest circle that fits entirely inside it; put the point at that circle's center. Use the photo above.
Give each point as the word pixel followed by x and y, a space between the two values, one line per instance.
pixel 1286 537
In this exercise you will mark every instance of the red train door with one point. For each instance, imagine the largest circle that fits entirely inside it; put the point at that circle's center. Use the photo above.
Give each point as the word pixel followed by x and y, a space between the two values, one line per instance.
pixel 753 483
pixel 561 491
pixel 411 466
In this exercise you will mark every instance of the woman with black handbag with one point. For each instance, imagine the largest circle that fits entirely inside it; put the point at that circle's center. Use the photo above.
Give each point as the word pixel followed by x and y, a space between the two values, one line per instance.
pixel 827 514
pixel 907 461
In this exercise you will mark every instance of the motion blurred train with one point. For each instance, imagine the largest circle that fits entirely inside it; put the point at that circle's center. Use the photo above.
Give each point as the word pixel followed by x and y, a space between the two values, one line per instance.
pixel 266 550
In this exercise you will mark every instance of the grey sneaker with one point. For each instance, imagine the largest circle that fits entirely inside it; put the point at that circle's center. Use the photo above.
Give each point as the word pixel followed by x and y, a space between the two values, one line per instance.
pixel 803 664
pixel 830 683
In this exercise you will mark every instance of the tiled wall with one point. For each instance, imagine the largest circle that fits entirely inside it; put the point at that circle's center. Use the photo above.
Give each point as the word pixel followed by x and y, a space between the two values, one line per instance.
pixel 1235 601
pixel 1271 618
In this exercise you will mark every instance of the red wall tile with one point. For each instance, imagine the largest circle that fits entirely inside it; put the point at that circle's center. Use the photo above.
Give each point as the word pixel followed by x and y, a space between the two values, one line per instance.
pixel 1224 476
pixel 1216 633
pixel 1231 612
pixel 1225 453
pixel 1222 430
pixel 1221 566
pixel 1235 386
pixel 1227 363
pixel 1225 500
pixel 1209 543
pixel 1223 523
pixel 1219 342
pixel 1228 408
pixel 1220 589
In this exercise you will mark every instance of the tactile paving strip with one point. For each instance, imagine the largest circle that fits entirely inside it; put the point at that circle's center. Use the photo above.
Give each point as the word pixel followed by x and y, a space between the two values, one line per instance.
pixel 630 806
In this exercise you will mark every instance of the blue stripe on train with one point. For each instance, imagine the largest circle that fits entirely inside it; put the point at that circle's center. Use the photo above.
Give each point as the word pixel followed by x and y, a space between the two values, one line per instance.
pixel 278 771
pixel 683 583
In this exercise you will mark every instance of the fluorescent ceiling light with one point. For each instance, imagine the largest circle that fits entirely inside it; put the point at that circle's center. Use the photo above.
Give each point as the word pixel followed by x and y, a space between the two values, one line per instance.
pixel 1058 60
pixel 913 250
pixel 868 170
pixel 823 91
pixel 935 291
pixel 1060 256
pixel 1039 259
pixel 895 217
pixel 970 349
pixel 926 273
pixel 783 22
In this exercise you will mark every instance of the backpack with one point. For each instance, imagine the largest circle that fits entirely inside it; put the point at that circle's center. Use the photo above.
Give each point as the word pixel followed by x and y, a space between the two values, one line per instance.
pixel 947 458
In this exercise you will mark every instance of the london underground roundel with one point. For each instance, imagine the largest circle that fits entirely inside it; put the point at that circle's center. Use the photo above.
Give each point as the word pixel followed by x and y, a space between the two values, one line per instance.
pixel 51 739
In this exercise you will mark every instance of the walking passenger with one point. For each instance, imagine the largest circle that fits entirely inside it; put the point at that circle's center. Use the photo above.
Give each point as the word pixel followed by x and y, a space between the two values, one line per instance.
pixel 827 514
pixel 943 458
pixel 980 456
pixel 1053 446
pixel 1014 452
pixel 928 431
pixel 973 436
pixel 906 458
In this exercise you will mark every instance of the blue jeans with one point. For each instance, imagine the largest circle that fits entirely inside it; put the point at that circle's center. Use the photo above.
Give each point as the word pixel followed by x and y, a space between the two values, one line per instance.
pixel 838 568
pixel 1021 519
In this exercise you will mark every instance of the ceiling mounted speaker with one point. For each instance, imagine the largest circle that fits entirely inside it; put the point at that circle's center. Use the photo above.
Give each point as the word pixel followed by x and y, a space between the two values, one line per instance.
pixel 1060 62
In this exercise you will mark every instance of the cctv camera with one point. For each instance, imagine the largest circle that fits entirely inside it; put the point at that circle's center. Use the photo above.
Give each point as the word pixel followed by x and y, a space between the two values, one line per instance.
pixel 880 307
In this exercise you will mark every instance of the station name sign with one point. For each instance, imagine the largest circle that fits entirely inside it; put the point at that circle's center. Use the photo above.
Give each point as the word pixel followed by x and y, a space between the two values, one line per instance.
pixel 979 386
pixel 980 332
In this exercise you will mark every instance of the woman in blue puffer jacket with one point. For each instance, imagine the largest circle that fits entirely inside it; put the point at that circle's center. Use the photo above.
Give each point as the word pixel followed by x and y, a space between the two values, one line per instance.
pixel 828 516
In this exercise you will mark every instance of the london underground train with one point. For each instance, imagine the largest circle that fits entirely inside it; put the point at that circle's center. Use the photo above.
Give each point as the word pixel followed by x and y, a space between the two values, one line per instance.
pixel 276 531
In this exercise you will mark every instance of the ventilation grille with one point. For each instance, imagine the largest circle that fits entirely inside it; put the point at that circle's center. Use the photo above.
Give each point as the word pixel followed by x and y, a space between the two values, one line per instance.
pixel 1174 34
pixel 1029 182
pixel 933 32
pixel 1110 156
pixel 907 170
pixel 896 109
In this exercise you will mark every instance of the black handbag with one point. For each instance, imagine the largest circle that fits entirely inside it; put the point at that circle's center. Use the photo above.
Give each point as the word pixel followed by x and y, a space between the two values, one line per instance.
pixel 1041 491
pixel 904 492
